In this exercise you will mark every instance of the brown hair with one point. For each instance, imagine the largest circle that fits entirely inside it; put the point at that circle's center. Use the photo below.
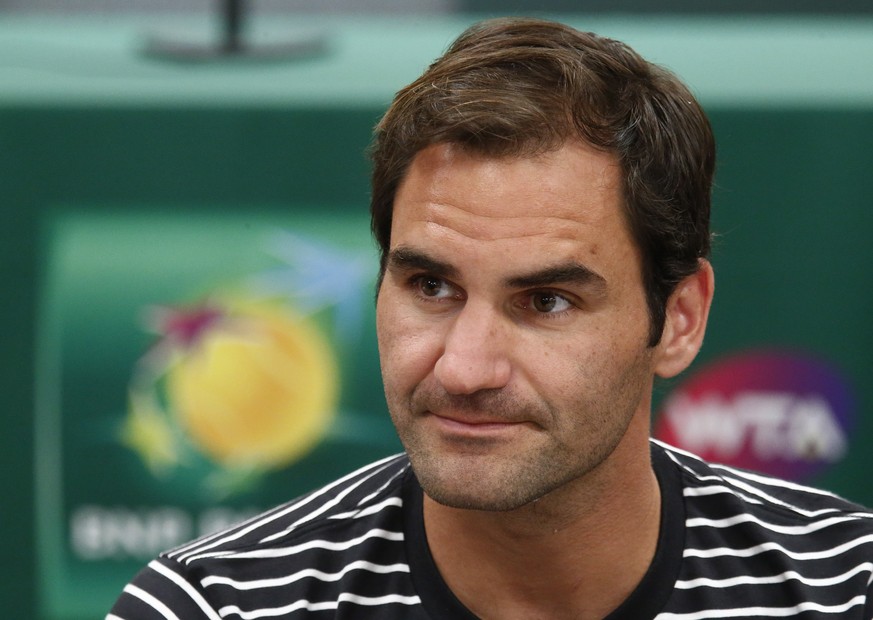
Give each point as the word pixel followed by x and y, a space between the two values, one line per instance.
pixel 519 87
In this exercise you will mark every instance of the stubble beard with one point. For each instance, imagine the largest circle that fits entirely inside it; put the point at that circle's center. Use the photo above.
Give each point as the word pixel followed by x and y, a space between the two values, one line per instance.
pixel 501 478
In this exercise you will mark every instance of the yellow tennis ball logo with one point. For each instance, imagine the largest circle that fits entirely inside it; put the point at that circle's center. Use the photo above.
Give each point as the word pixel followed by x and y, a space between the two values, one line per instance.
pixel 257 388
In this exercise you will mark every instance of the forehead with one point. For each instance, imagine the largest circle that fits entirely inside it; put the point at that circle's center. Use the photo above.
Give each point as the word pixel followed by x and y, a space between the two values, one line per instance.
pixel 572 194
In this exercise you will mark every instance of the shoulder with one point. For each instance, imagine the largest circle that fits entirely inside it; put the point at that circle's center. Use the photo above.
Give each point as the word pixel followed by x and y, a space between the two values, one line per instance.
pixel 785 546
pixel 365 492
pixel 759 494
pixel 343 542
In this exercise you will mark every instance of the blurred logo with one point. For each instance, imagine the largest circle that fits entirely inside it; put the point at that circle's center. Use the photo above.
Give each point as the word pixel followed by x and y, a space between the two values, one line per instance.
pixel 779 413
pixel 246 377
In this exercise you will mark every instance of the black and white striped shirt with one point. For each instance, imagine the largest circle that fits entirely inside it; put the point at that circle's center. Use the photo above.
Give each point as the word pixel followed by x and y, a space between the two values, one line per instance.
pixel 732 545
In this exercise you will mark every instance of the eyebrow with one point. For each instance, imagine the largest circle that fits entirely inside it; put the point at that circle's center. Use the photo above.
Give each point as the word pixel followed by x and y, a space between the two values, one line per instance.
pixel 566 273
pixel 407 259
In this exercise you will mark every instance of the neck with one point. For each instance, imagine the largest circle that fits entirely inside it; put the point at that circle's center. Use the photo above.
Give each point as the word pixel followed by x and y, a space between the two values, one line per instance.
pixel 578 552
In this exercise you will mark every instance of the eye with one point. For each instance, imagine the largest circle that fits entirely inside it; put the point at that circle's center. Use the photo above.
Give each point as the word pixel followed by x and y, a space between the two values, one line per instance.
pixel 433 287
pixel 549 303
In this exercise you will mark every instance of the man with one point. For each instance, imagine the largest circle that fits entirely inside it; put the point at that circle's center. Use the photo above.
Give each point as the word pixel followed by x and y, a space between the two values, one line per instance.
pixel 541 200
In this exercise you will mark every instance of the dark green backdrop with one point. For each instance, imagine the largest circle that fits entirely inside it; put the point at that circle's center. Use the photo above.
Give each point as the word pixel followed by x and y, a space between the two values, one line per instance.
pixel 87 121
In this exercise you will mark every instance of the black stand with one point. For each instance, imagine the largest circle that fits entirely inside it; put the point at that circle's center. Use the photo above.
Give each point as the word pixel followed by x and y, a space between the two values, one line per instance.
pixel 232 44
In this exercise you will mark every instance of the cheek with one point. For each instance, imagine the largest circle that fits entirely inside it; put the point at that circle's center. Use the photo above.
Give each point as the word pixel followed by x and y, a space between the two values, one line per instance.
pixel 407 351
pixel 580 370
pixel 558 369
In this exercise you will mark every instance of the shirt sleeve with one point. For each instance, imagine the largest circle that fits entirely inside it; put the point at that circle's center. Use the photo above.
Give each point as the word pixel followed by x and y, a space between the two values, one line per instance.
pixel 162 591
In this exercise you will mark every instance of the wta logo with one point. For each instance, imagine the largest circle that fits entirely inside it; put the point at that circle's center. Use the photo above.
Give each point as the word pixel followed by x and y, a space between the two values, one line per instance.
pixel 778 413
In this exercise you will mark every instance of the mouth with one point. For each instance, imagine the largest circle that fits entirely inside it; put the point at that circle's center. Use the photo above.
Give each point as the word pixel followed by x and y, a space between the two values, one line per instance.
pixel 470 426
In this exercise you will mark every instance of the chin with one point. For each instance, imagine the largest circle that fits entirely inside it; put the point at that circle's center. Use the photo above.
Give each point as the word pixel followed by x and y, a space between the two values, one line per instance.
pixel 465 501
pixel 477 492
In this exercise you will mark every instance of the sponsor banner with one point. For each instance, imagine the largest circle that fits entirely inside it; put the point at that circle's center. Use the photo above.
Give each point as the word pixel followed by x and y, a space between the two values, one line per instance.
pixel 782 413
pixel 193 370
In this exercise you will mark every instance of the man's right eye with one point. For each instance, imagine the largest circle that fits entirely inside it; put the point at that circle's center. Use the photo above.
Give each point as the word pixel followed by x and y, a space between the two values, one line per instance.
pixel 433 287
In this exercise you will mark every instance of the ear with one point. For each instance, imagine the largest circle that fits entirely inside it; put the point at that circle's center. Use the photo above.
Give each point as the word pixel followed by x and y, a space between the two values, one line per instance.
pixel 685 324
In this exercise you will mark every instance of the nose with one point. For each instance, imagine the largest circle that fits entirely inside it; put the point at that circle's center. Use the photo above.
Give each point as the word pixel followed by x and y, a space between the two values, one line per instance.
pixel 474 353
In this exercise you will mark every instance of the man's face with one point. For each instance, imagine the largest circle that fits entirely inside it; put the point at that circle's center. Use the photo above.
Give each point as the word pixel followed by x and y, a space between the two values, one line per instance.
pixel 512 324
